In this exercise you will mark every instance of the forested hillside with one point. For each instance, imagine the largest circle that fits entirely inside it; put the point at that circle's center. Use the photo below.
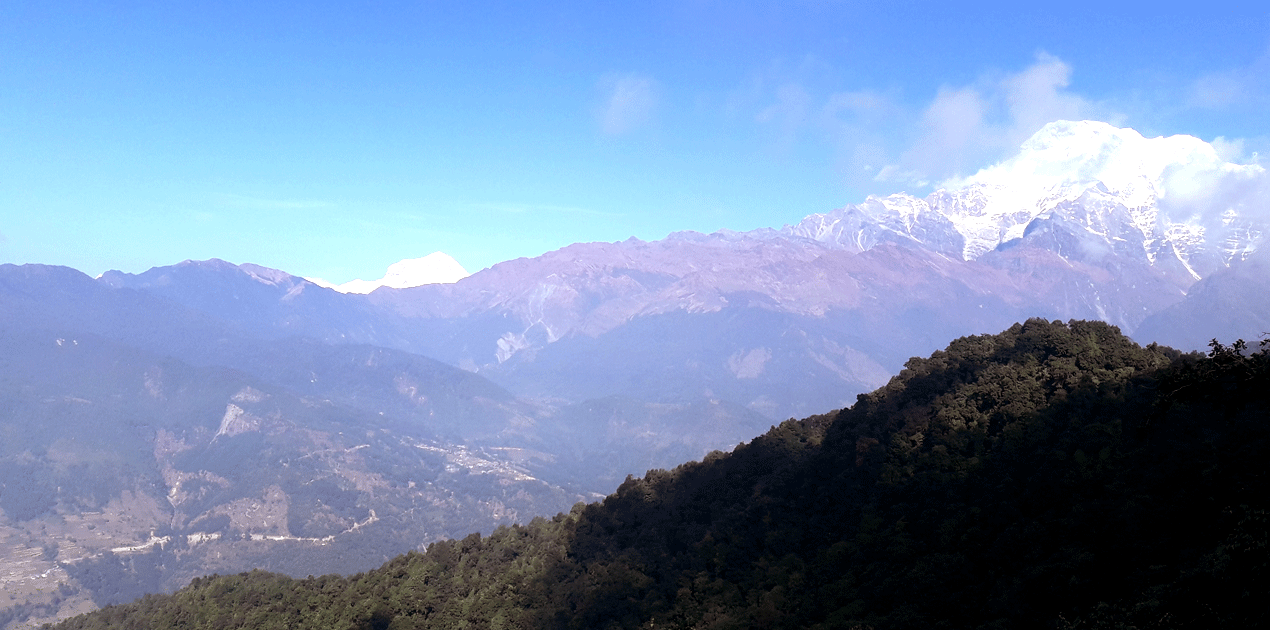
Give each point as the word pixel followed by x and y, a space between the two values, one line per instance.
pixel 1054 475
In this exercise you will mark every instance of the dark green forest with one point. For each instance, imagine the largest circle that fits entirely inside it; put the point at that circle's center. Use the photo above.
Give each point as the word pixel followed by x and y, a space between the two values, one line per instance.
pixel 1056 475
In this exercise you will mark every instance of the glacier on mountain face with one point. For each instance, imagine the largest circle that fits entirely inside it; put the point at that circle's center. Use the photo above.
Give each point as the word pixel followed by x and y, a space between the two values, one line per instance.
pixel 1151 197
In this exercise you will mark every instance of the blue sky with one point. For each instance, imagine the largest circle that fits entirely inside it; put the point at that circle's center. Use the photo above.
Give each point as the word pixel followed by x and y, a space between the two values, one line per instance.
pixel 332 139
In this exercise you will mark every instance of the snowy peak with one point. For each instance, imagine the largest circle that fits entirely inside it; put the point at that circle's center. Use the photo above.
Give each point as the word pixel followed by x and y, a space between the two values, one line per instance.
pixel 897 218
pixel 1066 158
pixel 1169 196
pixel 1085 153
pixel 435 268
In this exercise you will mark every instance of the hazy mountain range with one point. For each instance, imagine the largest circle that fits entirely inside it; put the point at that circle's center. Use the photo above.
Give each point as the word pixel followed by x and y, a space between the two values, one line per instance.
pixel 212 417
pixel 1054 475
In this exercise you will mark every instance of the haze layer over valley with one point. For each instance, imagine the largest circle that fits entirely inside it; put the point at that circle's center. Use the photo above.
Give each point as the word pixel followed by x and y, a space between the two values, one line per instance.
pixel 208 416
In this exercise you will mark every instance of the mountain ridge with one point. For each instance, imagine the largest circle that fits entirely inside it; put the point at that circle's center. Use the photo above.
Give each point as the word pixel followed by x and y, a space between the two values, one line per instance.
pixel 1055 474
pixel 1065 168
pixel 1062 244
pixel 605 359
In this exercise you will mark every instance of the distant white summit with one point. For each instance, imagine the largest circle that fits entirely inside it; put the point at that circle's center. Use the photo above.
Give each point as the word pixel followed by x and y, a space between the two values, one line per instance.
pixel 435 268
pixel 1170 197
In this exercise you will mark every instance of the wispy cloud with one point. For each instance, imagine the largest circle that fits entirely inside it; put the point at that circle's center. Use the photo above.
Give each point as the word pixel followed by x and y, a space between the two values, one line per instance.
pixel 258 203
pixel 539 208
pixel 628 102
pixel 1228 149
pixel 968 127
pixel 789 113
pixel 862 126
pixel 1247 86
pixel 785 95
pixel 1218 91
pixel 885 142
pixel 952 128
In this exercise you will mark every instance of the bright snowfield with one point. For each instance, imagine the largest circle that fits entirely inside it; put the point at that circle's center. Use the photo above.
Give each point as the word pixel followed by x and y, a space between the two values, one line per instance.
pixel 1176 195
pixel 435 268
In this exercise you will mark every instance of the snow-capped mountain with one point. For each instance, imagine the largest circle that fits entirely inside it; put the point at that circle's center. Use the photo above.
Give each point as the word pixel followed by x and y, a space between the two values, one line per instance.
pixel 603 359
pixel 435 268
pixel 1086 221
pixel 1166 200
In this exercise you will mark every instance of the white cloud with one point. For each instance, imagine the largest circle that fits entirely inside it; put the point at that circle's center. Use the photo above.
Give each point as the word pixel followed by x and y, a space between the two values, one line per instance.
pixel 952 133
pixel 1229 150
pixel 884 143
pixel 1037 96
pixel 629 103
pixel 435 268
pixel 1206 195
pixel 966 128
